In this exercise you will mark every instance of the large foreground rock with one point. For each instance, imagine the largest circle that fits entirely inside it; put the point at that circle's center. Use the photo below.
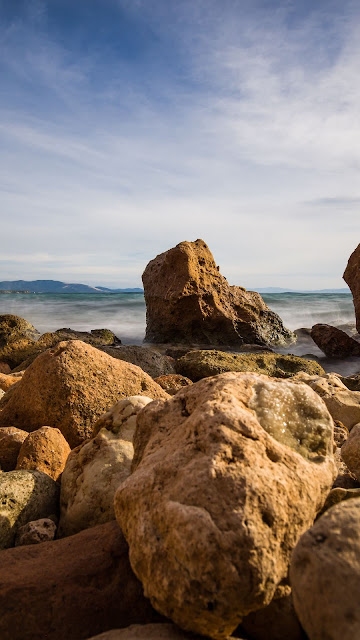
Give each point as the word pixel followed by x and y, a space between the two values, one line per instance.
pixel 352 278
pixel 334 342
pixel 203 363
pixel 70 386
pixel 189 301
pixel 325 575
pixel 227 474
pixel 70 589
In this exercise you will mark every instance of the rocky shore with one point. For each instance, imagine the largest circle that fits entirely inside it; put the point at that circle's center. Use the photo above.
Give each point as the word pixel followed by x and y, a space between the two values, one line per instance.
pixel 200 485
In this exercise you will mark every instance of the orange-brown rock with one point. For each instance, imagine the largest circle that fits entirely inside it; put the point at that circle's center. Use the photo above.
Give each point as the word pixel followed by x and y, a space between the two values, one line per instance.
pixel 45 450
pixel 352 278
pixel 11 440
pixel 334 342
pixel 173 383
pixel 70 386
pixel 70 589
pixel 189 301
pixel 7 381
pixel 227 474
pixel 164 631
pixel 4 368
pixel 17 339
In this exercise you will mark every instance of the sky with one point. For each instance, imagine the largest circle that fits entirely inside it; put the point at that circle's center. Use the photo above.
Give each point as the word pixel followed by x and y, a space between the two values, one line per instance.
pixel 127 126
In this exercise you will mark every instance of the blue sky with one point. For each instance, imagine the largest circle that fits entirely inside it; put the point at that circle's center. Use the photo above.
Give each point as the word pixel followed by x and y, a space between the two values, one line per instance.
pixel 129 125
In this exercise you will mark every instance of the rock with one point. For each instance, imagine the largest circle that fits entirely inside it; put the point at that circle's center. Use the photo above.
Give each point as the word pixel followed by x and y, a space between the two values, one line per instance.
pixel 24 496
pixel 2 393
pixel 5 396
pixel 42 530
pixel 189 301
pixel 11 440
pixel 344 405
pixel 148 359
pixel 173 383
pixel 45 450
pixel 7 381
pixel 341 433
pixel 70 386
pixel 200 364
pixel 226 476
pixel 4 368
pixel 277 621
pixel 71 588
pixel 350 451
pixel 325 574
pixel 17 339
pixel 345 479
pixel 352 278
pixel 154 631
pixel 351 382
pixel 339 494
pixel 334 342
pixel 95 470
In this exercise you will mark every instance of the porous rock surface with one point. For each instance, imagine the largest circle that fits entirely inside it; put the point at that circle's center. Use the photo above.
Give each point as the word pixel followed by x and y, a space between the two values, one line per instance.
pixel 96 468
pixel 24 496
pixel 165 631
pixel 11 440
pixel 208 362
pixel 70 589
pixel 7 381
pixel 17 339
pixel 173 383
pixel 42 530
pixel 342 404
pixel 189 301
pixel 334 342
pixel 227 474
pixel 350 451
pixel 69 387
pixel 45 450
pixel 325 575
pixel 352 278
pixel 148 359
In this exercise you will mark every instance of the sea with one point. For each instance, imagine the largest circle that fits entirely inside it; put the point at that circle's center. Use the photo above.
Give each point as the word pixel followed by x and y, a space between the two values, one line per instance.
pixel 125 315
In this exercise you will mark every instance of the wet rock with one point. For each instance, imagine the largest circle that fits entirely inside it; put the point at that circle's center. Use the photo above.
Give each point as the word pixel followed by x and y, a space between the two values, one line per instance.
pixel 344 405
pixel 70 386
pixel 226 476
pixel 164 631
pixel 325 574
pixel 334 342
pixel 352 278
pixel 34 532
pixel 148 359
pixel 11 440
pixel 71 588
pixel 189 301
pixel 203 363
pixel 95 470
pixel 350 451
pixel 45 450
pixel 24 496
pixel 173 383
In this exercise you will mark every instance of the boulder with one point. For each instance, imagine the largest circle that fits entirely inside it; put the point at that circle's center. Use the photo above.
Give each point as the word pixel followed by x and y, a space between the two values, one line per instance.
pixel 189 301
pixel 343 404
pixel 11 440
pixel 17 339
pixel 200 364
pixel 352 278
pixel 148 359
pixel 325 575
pixel 154 631
pixel 70 386
pixel 334 342
pixel 350 451
pixel 71 588
pixel 24 496
pixel 37 531
pixel 7 381
pixel 45 450
pixel 95 469
pixel 173 383
pixel 226 476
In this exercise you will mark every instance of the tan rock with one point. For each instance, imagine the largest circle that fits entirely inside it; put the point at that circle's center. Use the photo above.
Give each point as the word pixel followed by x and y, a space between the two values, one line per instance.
pixel 164 631
pixel 227 474
pixel 70 589
pixel 70 386
pixel 352 278
pixel 339 494
pixel 46 450
pixel 325 574
pixel 95 470
pixel 34 532
pixel 11 440
pixel 173 383
pixel 350 451
pixel 4 368
pixel 17 339
pixel 343 404
pixel 189 301
pixel 6 381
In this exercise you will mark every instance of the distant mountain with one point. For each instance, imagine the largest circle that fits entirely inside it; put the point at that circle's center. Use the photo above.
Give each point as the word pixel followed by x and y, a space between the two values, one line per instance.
pixel 55 286
pixel 280 290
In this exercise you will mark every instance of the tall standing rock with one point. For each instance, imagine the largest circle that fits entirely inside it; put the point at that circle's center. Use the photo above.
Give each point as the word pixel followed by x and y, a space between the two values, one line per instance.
pixel 352 278
pixel 189 301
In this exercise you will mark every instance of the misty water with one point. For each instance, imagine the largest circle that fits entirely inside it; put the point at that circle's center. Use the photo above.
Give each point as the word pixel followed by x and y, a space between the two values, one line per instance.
pixel 124 314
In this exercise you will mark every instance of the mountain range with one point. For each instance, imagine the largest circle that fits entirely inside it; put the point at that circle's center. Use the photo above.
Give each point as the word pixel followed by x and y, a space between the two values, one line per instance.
pixel 55 286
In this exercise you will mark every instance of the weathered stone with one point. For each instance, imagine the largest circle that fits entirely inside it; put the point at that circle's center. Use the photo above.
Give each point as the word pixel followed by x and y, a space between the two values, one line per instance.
pixel 24 496
pixel 70 386
pixel 70 589
pixel 95 470
pixel 148 359
pixel 203 363
pixel 334 342
pixel 218 498
pixel 11 440
pixel 154 631
pixel 350 451
pixel 325 574
pixel 343 404
pixel 45 450
pixel 352 278
pixel 34 532
pixel 341 433
pixel 344 479
pixel 17 339
pixel 4 368
pixel 7 381
pixel 351 382
pixel 173 383
pixel 339 494
pixel 189 301
pixel 277 621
